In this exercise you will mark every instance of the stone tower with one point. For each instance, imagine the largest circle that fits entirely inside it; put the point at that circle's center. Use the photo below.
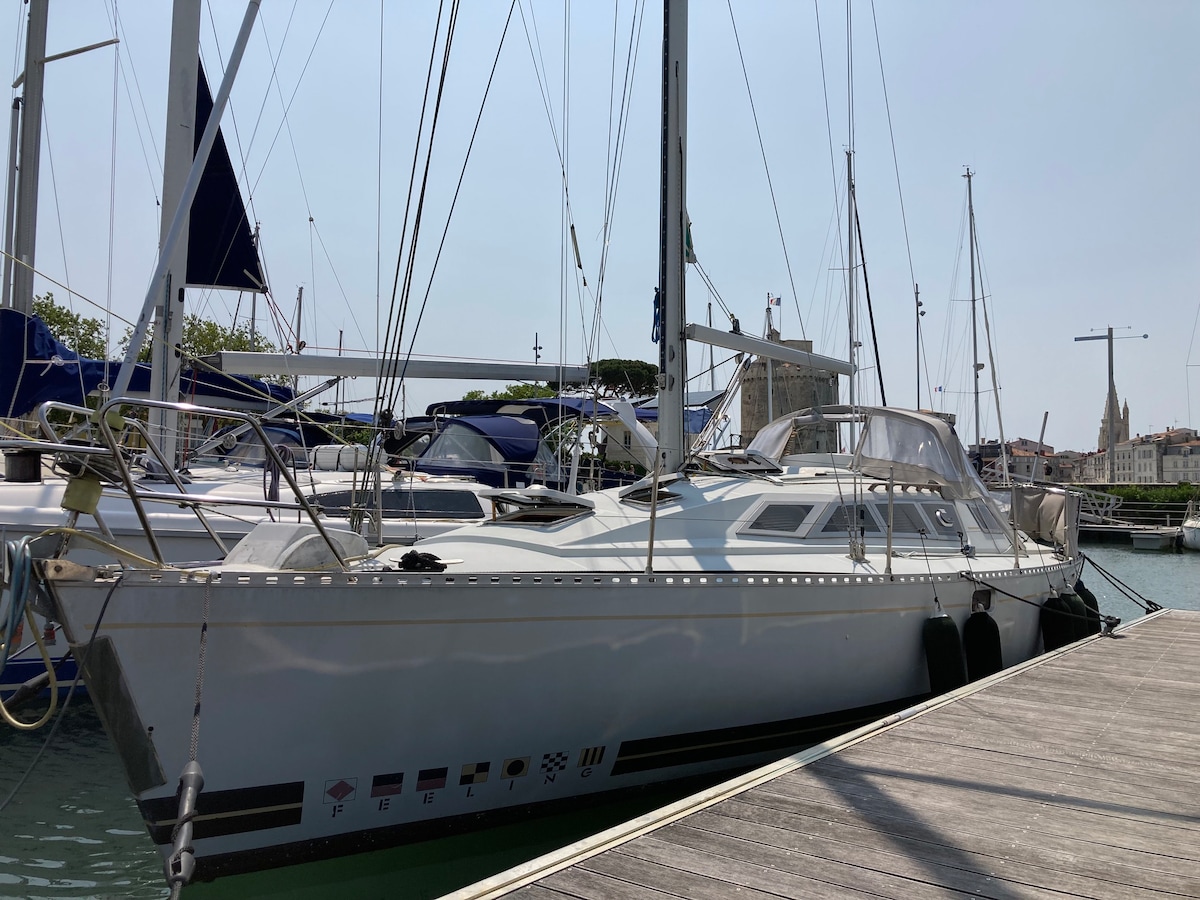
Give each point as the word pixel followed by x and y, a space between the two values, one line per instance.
pixel 793 388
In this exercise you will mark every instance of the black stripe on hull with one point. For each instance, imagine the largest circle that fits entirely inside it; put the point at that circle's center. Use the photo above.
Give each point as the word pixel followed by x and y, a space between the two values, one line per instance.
pixel 245 861
pixel 250 809
pixel 721 743
pixel 228 812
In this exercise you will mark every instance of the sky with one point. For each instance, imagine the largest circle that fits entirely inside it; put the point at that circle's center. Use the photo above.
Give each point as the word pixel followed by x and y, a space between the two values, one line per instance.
pixel 1079 120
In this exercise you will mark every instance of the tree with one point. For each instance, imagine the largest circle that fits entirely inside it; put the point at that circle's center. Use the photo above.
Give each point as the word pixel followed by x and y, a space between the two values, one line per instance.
pixel 513 392
pixel 626 377
pixel 202 337
pixel 82 334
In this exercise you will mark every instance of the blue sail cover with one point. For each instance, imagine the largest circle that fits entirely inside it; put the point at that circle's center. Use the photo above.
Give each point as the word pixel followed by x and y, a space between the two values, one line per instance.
pixel 36 367
pixel 221 251
pixel 544 410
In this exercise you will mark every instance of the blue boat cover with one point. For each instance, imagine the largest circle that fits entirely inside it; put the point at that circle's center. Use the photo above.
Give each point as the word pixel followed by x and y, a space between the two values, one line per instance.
pixel 516 439
pixel 36 367
pixel 549 409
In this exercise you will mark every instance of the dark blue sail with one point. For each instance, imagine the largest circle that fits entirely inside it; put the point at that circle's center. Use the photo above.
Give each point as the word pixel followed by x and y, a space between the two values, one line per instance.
pixel 221 251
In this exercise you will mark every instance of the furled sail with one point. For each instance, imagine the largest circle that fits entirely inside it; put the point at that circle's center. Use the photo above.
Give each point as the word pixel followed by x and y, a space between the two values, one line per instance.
pixel 221 250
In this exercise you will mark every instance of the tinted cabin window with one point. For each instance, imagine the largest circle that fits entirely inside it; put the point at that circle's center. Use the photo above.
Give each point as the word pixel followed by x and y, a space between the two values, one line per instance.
pixel 985 518
pixel 860 516
pixel 417 503
pixel 906 518
pixel 783 517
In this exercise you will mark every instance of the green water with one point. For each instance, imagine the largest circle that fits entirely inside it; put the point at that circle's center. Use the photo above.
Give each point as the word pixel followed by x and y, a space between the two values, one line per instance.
pixel 75 832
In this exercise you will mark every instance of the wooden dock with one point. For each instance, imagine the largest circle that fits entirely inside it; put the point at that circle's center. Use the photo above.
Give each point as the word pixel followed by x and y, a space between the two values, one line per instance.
pixel 1074 775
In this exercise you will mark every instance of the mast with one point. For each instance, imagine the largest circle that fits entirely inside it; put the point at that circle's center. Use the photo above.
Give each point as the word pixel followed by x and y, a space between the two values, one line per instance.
pixel 178 152
pixel 672 352
pixel 24 234
pixel 975 367
pixel 850 284
pixel 168 268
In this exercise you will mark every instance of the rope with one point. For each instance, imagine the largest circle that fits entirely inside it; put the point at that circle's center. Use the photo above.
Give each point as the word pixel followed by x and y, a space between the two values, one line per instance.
pixel 19 563
pixel 1107 622
pixel 66 701
pixel 1133 596
pixel 180 865
pixel 195 736
pixel 49 663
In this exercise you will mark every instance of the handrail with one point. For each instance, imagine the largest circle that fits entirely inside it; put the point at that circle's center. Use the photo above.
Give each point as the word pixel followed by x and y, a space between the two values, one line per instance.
pixel 196 410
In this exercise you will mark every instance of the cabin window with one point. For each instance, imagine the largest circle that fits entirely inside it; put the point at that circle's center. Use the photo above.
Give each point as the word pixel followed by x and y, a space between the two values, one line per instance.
pixel 986 519
pixel 402 503
pixel 782 518
pixel 645 494
pixel 859 515
pixel 542 515
pixel 906 518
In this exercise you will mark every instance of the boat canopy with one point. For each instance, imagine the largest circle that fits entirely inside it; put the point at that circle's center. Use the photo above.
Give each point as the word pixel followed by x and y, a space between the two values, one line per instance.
pixel 916 448
pixel 908 446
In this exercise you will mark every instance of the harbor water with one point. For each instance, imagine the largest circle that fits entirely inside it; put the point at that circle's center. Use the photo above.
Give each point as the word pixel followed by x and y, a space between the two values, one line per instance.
pixel 72 830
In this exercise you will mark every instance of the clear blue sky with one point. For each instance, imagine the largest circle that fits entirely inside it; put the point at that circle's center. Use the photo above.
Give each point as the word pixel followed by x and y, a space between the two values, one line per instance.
pixel 1079 118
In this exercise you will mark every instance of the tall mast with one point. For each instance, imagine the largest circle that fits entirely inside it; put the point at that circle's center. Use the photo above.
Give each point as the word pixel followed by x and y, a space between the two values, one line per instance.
pixel 850 266
pixel 672 353
pixel 974 329
pixel 161 288
pixel 179 150
pixel 25 229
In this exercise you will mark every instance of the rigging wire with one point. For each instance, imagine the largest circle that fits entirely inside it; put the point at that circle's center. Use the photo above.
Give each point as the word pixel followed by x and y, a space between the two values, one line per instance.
pixel 379 196
pixel 870 308
pixel 762 148
pixel 837 207
pixel 562 150
pixel 896 166
pixel 566 223
pixel 398 318
pixel 616 157
pixel 128 71
pixel 396 379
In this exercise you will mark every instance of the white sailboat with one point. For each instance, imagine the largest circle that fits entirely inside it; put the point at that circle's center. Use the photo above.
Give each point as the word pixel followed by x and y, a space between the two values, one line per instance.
pixel 733 607
pixel 1190 529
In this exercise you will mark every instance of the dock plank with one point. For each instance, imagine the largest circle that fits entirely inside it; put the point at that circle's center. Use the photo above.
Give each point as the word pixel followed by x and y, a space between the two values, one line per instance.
pixel 1071 776
pixel 973 830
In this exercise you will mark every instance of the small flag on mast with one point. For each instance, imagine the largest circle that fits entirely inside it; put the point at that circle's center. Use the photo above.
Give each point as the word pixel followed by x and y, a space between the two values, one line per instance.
pixel 774 301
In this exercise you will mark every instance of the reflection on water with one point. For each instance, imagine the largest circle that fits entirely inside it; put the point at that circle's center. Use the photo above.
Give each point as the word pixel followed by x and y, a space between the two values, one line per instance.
pixel 76 833
pixel 438 867
pixel 73 830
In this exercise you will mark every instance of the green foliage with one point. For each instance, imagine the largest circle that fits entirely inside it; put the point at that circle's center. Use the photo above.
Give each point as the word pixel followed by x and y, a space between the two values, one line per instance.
pixel 82 334
pixel 202 337
pixel 626 377
pixel 1157 493
pixel 513 392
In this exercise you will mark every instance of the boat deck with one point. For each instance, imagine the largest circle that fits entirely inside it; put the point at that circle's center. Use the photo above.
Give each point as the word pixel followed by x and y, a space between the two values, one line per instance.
pixel 1072 775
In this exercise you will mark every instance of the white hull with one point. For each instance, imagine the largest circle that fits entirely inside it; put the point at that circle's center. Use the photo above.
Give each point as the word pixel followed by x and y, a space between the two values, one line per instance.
pixel 320 689
pixel 1191 534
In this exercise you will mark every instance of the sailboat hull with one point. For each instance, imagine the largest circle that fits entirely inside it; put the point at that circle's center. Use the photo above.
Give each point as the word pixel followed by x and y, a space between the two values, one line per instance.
pixel 370 709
